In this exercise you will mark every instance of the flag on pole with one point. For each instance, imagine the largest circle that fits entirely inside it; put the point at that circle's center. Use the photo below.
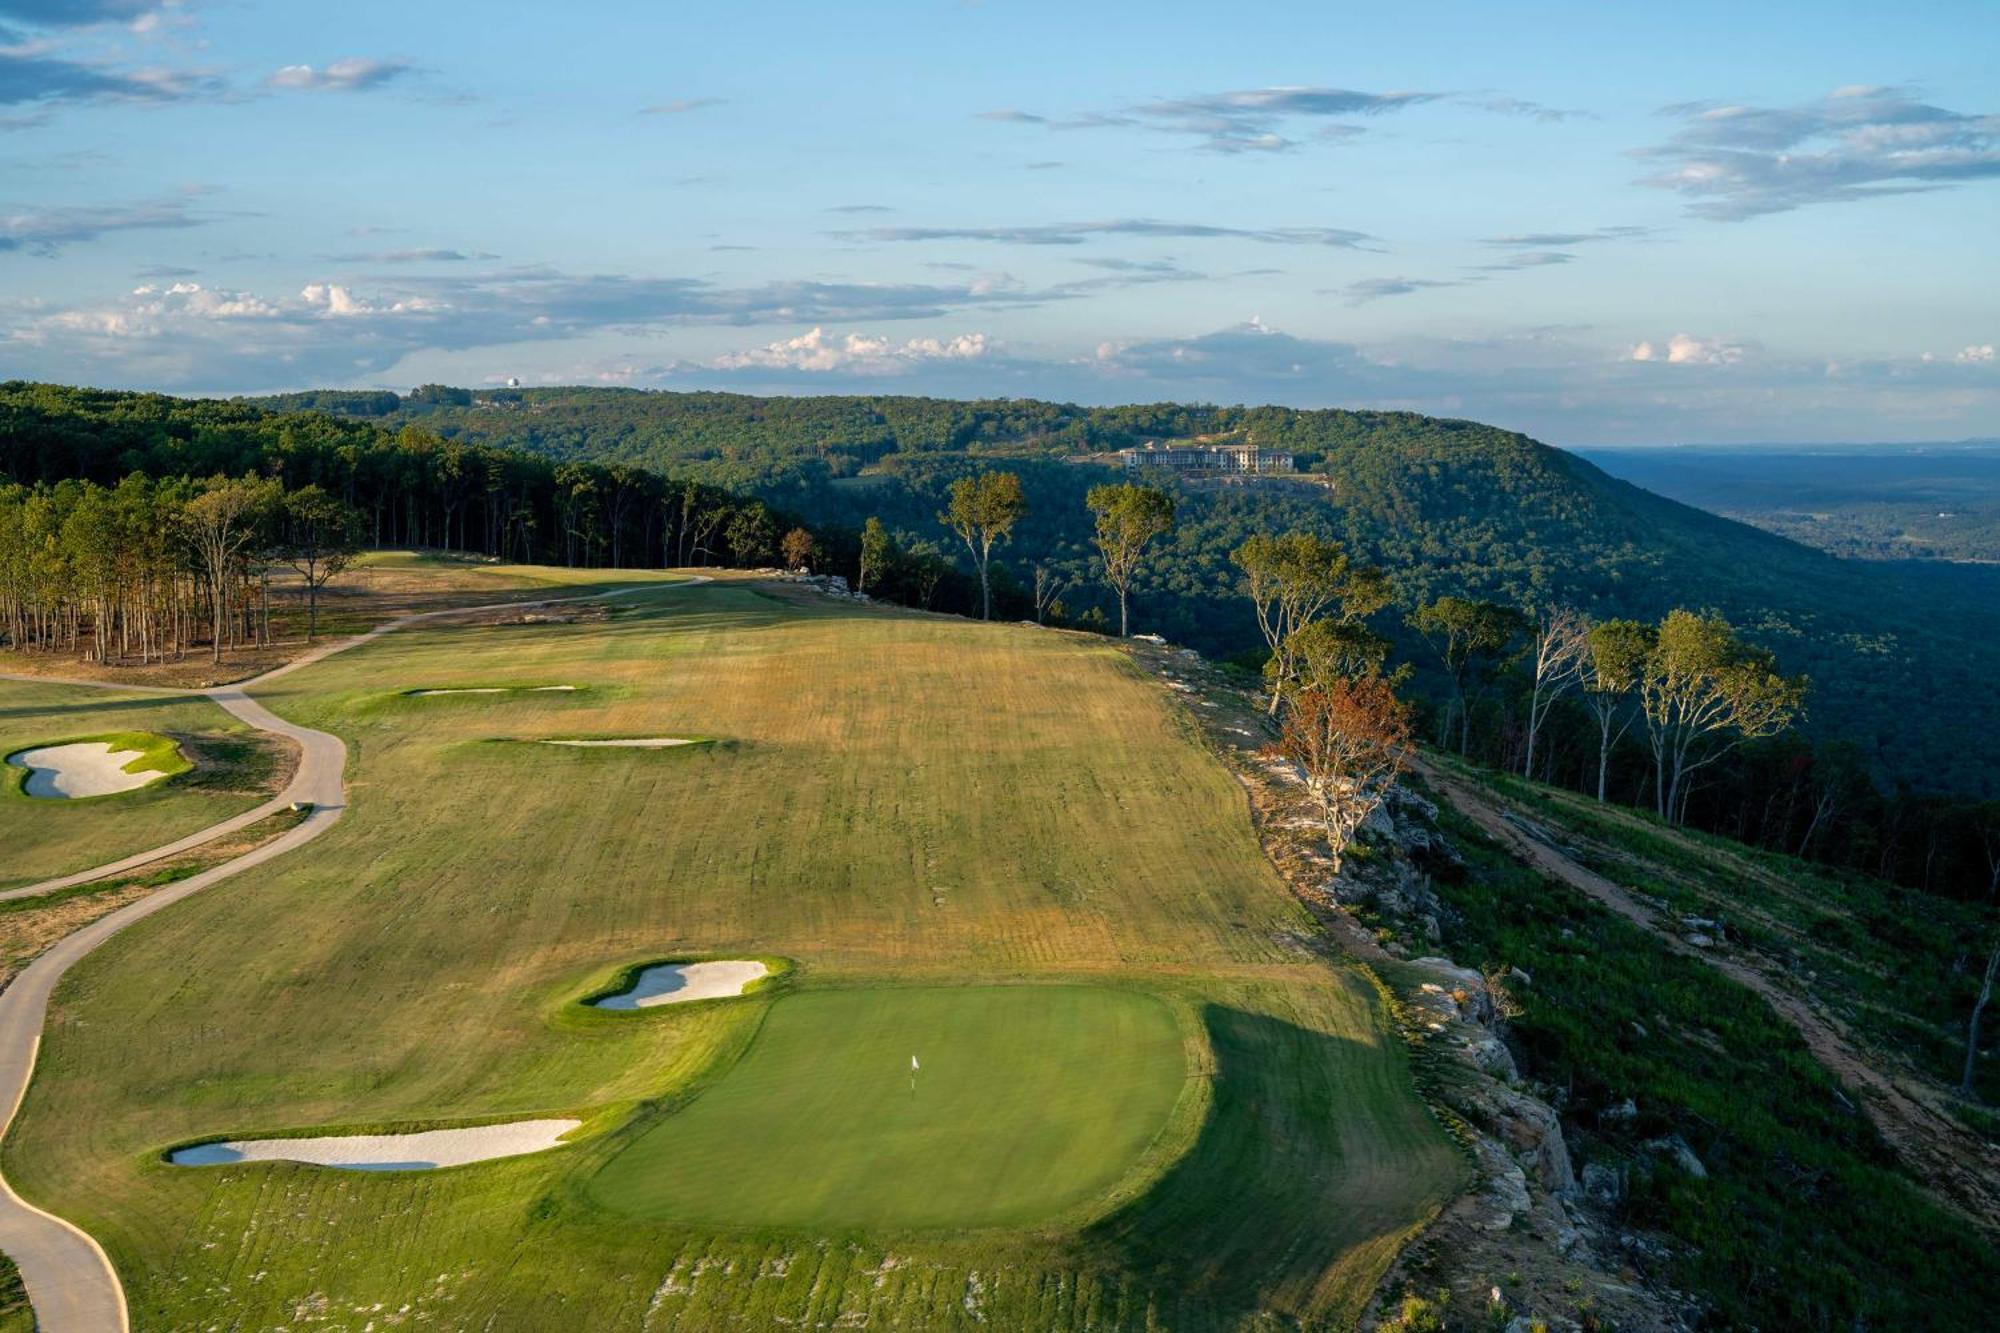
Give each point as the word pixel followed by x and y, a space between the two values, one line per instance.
pixel 914 1066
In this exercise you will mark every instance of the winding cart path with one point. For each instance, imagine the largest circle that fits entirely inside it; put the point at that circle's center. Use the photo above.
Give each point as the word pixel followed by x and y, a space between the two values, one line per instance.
pixel 70 1280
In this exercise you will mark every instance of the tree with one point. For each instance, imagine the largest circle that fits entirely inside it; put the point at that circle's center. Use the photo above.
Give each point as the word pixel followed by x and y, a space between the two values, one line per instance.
pixel 752 534
pixel 1128 518
pixel 1293 581
pixel 1464 634
pixel 983 510
pixel 799 549
pixel 1978 1011
pixel 1561 646
pixel 223 523
pixel 322 535
pixel 1704 692
pixel 1049 588
pixel 1351 738
pixel 1328 650
pixel 878 555
pixel 1611 671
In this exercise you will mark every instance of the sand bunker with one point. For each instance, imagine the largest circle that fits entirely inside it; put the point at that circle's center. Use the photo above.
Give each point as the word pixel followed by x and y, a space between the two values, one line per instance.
pixel 86 768
pixel 633 742
pixel 496 689
pixel 678 983
pixel 387 1152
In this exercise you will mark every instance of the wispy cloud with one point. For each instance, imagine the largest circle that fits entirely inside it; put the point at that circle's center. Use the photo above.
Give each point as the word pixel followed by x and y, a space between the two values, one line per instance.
pixel 1734 161
pixel 352 74
pixel 76 13
pixel 1376 289
pixel 1076 233
pixel 1549 240
pixel 1271 119
pixel 45 231
pixel 680 106
pixel 1520 106
pixel 1530 259
pixel 417 256
pixel 29 76
pixel 860 208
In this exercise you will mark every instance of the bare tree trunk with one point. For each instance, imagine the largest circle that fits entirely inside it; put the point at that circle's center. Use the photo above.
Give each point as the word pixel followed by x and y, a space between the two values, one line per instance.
pixel 1978 1010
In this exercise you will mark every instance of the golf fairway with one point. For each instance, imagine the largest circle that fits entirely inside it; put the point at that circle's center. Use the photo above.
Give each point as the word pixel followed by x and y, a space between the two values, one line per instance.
pixel 1029 1100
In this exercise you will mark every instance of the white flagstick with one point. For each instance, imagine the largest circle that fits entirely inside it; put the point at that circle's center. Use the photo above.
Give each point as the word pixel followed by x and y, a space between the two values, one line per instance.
pixel 914 1067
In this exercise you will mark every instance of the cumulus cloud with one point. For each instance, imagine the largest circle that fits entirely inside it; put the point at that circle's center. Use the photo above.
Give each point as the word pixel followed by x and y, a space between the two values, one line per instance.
pixel 1980 354
pixel 45 231
pixel 352 74
pixel 1734 161
pixel 819 352
pixel 1684 349
pixel 188 336
pixel 1076 233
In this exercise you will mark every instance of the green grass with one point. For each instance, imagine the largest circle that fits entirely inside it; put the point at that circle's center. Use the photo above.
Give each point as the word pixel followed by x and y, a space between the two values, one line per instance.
pixel 1804 1220
pixel 904 801
pixel 45 838
pixel 1030 1100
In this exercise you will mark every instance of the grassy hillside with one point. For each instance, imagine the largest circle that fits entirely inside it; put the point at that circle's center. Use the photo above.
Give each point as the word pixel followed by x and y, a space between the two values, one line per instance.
pixel 45 838
pixel 1445 505
pixel 902 805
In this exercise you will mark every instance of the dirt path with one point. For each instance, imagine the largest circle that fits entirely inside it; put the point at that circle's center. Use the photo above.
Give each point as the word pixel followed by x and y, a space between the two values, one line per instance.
pixel 70 1280
pixel 1955 1165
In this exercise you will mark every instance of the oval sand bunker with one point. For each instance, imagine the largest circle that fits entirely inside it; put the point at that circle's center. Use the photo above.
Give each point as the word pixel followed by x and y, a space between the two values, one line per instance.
pixel 678 983
pixel 387 1152
pixel 85 768
pixel 632 742
pixel 495 689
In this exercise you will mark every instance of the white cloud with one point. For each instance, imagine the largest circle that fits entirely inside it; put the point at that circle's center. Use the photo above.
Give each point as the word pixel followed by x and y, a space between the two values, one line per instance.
pixel 1979 354
pixel 819 352
pixel 352 74
pixel 1684 349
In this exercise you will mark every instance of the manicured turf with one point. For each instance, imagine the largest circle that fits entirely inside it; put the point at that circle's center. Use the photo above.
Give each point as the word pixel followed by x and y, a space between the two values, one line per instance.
pixel 1029 1100
pixel 43 838
pixel 894 800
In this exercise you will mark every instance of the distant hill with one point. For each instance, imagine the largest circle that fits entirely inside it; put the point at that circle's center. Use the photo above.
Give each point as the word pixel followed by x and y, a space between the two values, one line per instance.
pixel 1905 658
pixel 1913 502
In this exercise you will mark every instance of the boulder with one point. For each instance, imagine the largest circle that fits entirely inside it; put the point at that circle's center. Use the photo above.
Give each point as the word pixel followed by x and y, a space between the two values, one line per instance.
pixel 1603 1185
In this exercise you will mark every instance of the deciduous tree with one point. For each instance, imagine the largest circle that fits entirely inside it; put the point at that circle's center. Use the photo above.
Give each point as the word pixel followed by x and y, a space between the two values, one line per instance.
pixel 1611 671
pixel 320 536
pixel 1560 649
pixel 1295 580
pixel 1128 518
pixel 1466 635
pixel 799 549
pixel 983 510
pixel 1351 739
pixel 1703 693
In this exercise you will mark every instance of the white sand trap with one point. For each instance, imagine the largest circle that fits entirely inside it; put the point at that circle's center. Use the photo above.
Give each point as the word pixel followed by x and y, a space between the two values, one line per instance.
pixel 87 768
pixel 677 983
pixel 496 689
pixel 632 742
pixel 387 1152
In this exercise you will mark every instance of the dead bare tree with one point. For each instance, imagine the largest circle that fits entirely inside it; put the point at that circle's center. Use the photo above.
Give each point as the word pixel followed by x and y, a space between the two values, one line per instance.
pixel 1561 650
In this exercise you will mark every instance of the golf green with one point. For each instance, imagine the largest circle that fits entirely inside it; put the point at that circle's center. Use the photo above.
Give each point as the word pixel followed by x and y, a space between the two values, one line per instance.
pixel 1028 1100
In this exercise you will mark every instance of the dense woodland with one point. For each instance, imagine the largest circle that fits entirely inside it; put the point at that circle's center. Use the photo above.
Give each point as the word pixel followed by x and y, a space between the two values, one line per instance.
pixel 1902 673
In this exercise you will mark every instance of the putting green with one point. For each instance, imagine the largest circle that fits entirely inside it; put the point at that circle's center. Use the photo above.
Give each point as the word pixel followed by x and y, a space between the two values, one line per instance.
pixel 1030 1099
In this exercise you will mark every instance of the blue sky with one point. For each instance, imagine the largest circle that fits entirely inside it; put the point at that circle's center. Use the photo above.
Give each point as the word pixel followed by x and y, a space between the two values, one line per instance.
pixel 1596 223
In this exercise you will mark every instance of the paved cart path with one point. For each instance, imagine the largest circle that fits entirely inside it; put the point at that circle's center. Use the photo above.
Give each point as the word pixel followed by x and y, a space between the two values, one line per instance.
pixel 70 1280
